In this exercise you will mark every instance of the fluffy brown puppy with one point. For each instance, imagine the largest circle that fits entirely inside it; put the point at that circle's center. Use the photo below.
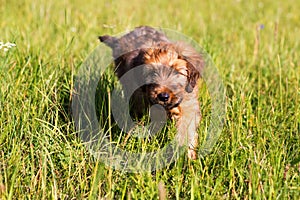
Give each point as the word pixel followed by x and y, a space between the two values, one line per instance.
pixel 171 72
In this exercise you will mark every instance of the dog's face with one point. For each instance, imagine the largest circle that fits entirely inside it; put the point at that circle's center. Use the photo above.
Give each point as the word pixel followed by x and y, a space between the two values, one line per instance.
pixel 166 75
pixel 166 86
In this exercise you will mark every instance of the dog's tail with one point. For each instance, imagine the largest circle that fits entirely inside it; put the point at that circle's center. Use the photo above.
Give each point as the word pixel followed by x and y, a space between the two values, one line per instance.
pixel 108 40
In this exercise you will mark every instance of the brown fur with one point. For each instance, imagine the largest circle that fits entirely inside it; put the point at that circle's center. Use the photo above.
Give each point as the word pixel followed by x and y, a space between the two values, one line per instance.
pixel 172 71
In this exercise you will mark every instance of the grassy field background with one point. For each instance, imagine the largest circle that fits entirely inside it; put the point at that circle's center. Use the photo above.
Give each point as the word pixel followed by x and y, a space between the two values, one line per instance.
pixel 255 46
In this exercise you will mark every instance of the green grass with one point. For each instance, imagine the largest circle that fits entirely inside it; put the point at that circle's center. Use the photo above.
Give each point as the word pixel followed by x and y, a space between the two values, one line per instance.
pixel 257 154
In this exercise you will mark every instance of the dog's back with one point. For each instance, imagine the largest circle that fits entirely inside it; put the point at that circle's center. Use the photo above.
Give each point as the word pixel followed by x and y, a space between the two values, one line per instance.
pixel 127 48
pixel 140 38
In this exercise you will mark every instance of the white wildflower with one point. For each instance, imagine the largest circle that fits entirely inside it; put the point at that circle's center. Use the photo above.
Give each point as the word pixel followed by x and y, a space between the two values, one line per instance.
pixel 6 46
pixel 10 45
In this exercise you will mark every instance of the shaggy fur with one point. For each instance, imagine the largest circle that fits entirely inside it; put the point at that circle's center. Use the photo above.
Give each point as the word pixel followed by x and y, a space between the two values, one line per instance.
pixel 171 72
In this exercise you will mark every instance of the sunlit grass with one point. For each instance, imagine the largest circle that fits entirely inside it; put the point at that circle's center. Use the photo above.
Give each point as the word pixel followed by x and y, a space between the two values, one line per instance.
pixel 254 45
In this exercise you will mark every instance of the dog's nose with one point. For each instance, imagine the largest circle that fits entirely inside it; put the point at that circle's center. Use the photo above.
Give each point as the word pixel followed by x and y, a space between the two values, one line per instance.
pixel 163 96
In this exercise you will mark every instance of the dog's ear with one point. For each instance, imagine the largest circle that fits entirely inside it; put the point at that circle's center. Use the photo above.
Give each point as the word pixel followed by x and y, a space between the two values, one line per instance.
pixel 195 64
pixel 193 76
pixel 108 40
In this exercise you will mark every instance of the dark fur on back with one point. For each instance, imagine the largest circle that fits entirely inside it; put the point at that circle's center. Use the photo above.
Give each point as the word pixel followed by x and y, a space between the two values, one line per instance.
pixel 127 48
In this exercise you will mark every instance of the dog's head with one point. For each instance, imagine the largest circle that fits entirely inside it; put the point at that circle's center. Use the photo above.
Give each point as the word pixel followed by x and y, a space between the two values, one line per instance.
pixel 171 70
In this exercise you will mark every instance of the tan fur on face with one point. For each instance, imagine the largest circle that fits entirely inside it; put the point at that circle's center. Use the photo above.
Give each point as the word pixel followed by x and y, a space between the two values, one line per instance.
pixel 170 68
pixel 165 54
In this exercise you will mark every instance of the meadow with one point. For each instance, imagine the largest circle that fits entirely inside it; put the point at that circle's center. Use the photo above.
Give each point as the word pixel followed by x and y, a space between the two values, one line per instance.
pixel 255 46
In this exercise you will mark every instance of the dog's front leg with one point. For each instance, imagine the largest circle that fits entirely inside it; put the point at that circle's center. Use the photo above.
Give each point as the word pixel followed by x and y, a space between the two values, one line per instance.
pixel 187 124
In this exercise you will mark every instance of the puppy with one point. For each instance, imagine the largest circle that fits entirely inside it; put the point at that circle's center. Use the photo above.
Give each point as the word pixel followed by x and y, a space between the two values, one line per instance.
pixel 171 71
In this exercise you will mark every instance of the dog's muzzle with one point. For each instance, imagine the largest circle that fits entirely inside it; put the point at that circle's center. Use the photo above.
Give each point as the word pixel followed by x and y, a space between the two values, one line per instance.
pixel 164 100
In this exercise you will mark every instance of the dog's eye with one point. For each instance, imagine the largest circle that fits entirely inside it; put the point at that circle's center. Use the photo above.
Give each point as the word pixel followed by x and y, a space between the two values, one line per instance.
pixel 183 72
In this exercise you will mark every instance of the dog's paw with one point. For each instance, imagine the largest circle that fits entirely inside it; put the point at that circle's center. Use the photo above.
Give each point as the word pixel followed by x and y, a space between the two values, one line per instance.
pixel 192 154
pixel 175 113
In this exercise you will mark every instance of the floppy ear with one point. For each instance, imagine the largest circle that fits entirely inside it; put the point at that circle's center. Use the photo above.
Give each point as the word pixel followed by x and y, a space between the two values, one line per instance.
pixel 193 76
pixel 195 64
